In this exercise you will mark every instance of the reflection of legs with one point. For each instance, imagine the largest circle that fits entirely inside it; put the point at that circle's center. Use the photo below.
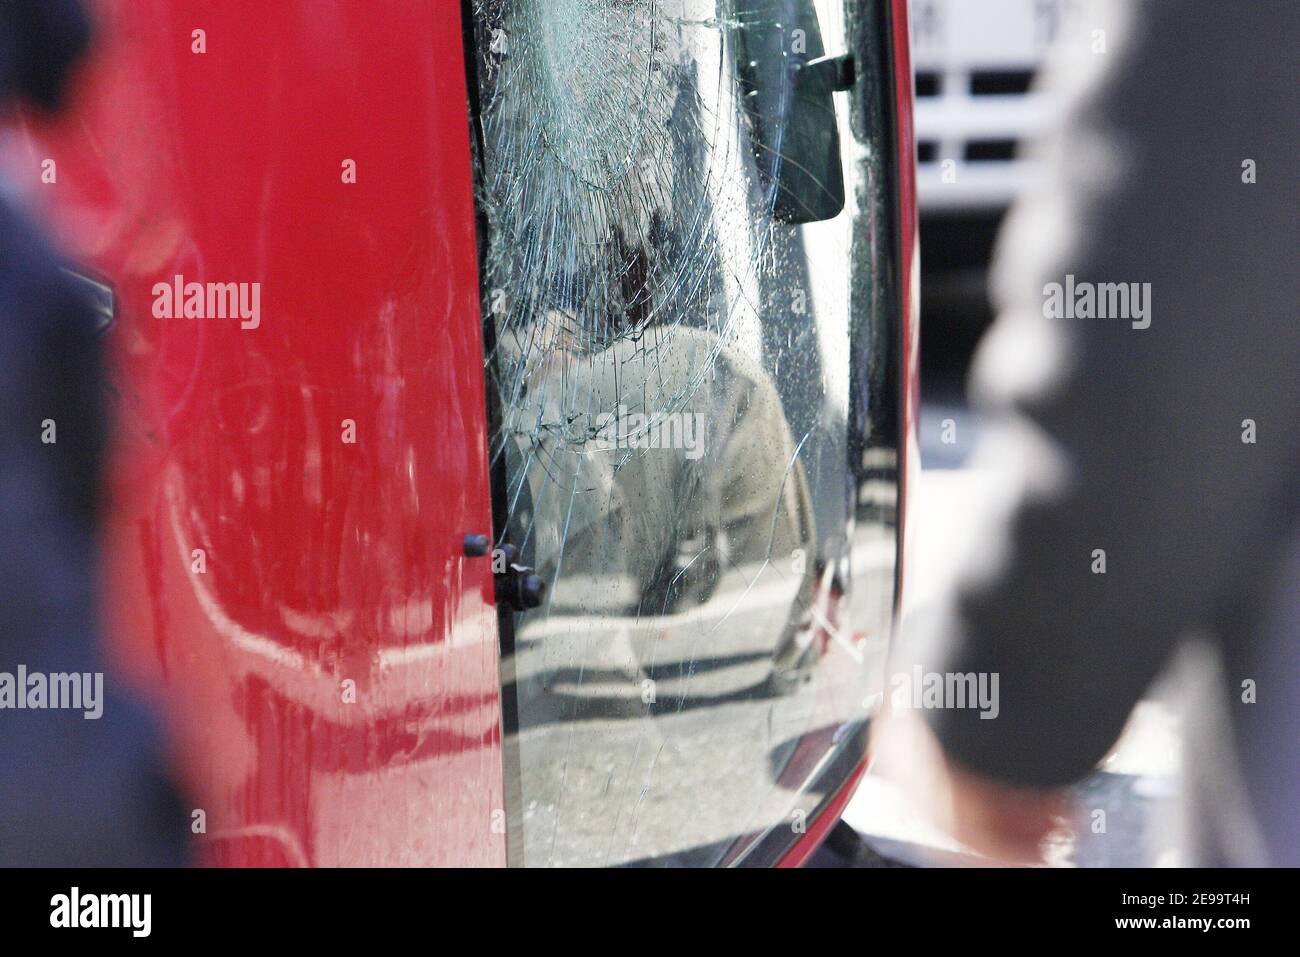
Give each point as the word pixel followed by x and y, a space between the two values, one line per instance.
pixel 688 574
pixel 653 513
pixel 627 526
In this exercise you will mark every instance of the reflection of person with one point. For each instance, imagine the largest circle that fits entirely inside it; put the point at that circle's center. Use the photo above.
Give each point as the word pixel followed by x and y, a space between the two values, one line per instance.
pixel 79 786
pixel 1170 452
pixel 665 450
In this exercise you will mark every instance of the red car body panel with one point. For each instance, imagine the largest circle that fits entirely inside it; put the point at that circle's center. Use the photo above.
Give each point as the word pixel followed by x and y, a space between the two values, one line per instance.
pixel 323 561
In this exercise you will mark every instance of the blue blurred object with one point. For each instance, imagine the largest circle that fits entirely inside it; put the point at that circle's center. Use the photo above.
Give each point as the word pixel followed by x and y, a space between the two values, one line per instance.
pixel 74 790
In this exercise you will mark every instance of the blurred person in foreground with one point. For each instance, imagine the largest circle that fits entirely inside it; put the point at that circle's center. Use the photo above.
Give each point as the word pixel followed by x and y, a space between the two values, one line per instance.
pixel 1170 442
pixel 78 786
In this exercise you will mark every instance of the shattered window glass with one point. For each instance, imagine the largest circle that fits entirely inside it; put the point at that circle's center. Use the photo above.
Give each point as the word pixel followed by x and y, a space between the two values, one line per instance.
pixel 692 439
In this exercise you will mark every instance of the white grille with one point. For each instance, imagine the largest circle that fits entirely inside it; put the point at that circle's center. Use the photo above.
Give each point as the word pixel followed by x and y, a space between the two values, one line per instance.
pixel 975 61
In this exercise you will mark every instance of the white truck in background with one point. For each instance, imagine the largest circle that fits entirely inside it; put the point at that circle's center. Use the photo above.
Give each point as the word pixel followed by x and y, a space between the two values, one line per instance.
pixel 975 63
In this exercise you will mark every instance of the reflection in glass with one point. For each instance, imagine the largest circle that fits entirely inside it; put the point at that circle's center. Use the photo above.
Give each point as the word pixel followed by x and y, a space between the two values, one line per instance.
pixel 676 319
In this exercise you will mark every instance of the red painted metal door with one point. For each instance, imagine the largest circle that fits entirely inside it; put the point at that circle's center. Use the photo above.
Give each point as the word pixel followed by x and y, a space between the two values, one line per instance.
pixel 292 483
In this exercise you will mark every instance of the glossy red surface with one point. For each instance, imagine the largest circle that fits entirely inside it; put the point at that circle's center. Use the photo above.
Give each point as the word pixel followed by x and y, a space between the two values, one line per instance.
pixel 328 567
pixel 798 855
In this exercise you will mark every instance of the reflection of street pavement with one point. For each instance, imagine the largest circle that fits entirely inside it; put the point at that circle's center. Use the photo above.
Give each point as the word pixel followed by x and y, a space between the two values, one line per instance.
pixel 606 777
pixel 1127 810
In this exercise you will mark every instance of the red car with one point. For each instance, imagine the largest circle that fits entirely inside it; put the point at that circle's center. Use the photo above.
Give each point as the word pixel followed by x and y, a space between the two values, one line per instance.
pixel 514 402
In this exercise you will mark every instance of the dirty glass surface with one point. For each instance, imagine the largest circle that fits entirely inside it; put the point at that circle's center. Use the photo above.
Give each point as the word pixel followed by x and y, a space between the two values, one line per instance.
pixel 693 435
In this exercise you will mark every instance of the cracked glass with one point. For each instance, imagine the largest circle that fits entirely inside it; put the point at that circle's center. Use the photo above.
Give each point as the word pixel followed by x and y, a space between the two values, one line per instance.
pixel 694 433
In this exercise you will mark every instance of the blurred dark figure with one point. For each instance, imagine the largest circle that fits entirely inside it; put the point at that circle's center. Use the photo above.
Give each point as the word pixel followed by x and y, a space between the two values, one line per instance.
pixel 73 790
pixel 1174 448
